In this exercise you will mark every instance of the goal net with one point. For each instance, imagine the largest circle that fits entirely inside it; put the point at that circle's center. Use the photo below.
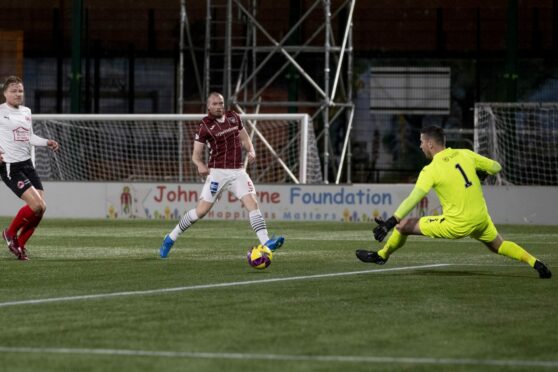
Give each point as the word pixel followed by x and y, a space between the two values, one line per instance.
pixel 159 148
pixel 522 137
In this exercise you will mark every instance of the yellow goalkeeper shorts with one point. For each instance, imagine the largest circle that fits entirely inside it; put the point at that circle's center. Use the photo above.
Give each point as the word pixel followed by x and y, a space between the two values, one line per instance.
pixel 442 227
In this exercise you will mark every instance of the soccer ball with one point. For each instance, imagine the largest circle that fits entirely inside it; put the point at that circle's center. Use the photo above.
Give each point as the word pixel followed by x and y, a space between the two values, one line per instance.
pixel 259 257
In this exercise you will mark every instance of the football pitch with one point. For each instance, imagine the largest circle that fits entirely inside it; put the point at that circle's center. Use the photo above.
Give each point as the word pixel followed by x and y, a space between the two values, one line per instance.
pixel 95 297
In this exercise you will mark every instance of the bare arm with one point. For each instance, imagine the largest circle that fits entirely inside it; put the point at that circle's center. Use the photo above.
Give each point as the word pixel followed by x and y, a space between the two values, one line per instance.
pixel 247 143
pixel 197 158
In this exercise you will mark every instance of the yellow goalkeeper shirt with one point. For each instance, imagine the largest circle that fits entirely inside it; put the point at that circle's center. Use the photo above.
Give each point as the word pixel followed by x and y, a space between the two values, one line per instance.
pixel 452 174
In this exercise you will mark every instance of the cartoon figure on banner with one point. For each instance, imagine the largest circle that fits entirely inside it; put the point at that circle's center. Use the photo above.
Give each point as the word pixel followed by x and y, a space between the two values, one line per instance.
pixel 346 215
pixel 125 201
pixel 376 214
pixel 112 212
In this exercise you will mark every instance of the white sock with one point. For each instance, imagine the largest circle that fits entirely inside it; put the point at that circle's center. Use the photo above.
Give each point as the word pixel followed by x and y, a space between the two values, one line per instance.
pixel 186 221
pixel 258 225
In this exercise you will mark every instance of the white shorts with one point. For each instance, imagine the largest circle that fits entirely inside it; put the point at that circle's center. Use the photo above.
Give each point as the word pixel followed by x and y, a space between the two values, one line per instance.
pixel 236 181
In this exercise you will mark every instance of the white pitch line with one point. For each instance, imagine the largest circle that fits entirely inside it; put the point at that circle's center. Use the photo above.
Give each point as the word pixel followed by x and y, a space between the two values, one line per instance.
pixel 206 286
pixel 287 357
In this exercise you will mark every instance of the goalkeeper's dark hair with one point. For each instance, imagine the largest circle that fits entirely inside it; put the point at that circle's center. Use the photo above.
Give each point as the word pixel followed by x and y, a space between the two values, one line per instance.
pixel 435 133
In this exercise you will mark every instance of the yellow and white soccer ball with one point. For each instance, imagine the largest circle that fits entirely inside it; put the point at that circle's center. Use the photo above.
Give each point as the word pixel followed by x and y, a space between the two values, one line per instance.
pixel 259 257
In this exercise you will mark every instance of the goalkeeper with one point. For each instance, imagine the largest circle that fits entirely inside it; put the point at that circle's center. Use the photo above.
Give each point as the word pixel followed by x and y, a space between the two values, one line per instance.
pixel 453 175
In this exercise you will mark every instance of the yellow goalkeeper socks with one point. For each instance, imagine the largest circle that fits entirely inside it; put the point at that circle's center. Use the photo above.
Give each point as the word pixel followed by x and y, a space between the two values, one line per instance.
pixel 395 241
pixel 512 250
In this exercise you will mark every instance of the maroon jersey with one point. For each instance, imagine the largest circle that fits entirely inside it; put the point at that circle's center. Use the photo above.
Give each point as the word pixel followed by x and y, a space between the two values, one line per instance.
pixel 223 140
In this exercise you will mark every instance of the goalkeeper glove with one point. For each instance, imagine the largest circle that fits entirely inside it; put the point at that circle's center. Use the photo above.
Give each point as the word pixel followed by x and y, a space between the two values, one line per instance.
pixel 384 227
pixel 482 175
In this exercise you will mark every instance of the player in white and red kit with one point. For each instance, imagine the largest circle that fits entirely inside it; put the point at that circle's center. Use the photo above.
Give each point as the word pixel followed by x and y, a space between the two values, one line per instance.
pixel 16 169
pixel 225 136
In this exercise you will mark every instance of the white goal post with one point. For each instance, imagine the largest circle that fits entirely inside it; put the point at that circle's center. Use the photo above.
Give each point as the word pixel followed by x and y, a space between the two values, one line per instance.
pixel 522 137
pixel 159 147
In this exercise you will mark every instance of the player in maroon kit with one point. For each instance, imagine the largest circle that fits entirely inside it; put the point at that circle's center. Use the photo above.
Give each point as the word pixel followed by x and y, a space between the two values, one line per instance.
pixel 222 131
pixel 16 169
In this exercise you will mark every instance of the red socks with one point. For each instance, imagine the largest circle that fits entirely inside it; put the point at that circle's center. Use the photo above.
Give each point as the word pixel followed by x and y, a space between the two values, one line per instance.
pixel 28 230
pixel 27 221
pixel 22 218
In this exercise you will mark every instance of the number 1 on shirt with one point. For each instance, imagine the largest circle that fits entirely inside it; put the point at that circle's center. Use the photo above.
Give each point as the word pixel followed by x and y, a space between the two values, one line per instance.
pixel 467 182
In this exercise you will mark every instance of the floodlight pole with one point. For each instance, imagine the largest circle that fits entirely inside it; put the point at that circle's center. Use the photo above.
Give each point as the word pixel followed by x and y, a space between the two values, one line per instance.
pixel 75 85
pixel 207 49
pixel 227 71
pixel 193 54
pixel 326 101
pixel 180 93
pixel 350 115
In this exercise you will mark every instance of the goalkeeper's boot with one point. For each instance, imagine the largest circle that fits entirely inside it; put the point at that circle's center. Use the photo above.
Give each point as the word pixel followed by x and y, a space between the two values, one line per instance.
pixel 166 247
pixel 12 244
pixel 275 243
pixel 370 256
pixel 544 273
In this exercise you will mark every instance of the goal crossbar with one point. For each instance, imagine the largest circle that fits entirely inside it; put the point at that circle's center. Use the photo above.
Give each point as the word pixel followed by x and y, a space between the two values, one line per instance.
pixel 285 124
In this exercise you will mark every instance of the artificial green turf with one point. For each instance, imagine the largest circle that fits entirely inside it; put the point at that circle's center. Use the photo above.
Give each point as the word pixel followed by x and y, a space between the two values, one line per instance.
pixel 481 307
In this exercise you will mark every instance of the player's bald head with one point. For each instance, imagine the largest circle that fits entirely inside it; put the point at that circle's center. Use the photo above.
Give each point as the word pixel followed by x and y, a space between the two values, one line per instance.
pixel 215 104
pixel 214 95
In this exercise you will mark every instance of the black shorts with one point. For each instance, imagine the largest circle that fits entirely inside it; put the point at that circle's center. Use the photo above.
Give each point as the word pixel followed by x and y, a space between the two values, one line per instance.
pixel 20 176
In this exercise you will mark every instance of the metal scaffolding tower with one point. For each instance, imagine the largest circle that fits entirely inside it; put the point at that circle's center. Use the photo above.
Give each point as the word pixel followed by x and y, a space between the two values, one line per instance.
pixel 245 62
